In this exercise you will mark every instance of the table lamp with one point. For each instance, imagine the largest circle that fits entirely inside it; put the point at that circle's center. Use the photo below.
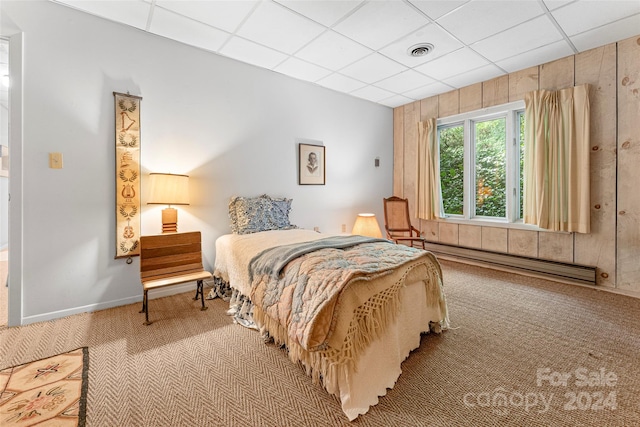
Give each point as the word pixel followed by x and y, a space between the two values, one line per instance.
pixel 168 189
pixel 366 225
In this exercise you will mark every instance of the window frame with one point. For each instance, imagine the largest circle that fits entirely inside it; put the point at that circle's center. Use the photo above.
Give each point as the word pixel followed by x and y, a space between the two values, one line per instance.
pixel 512 112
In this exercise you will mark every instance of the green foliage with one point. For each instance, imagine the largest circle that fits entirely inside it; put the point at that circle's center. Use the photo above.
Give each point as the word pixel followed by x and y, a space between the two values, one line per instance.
pixel 490 177
pixel 489 166
pixel 452 169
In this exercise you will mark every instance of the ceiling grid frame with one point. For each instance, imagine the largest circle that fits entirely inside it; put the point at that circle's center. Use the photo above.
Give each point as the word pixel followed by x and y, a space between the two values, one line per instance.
pixel 444 26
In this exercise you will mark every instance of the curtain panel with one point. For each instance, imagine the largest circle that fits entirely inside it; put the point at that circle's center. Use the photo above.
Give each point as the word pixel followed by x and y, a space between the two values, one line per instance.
pixel 428 195
pixel 556 159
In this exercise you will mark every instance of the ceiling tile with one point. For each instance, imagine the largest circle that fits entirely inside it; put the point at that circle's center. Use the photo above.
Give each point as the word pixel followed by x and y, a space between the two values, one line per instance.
pixel 407 80
pixel 428 90
pixel 538 56
pixel 273 25
pixel 442 41
pixel 395 101
pixel 554 4
pixel 474 76
pixel 252 53
pixel 583 15
pixel 479 19
pixel 340 83
pixel 169 24
pixel 322 11
pixel 332 50
pixel 434 9
pixel 223 14
pixel 361 45
pixel 454 63
pixel 372 93
pixel 530 35
pixel 373 68
pixel 303 70
pixel 606 34
pixel 377 23
pixel 134 13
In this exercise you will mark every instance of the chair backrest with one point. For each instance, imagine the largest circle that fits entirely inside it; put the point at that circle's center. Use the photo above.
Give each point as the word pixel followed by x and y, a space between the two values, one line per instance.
pixel 396 215
pixel 167 255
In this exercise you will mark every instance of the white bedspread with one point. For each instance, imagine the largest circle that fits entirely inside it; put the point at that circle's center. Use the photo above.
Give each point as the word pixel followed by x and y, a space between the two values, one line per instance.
pixel 378 366
pixel 232 266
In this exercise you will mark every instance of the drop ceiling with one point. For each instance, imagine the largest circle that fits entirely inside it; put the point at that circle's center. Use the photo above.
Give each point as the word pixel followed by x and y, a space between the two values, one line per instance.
pixel 360 47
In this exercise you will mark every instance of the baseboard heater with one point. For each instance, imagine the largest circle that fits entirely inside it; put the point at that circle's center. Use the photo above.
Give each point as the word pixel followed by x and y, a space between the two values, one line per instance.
pixel 545 268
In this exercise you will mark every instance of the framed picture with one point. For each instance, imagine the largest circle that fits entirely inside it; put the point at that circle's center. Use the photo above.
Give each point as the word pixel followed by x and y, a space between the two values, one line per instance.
pixel 311 164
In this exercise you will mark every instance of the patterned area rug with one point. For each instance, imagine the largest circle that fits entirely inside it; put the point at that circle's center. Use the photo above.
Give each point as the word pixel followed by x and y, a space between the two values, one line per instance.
pixel 50 391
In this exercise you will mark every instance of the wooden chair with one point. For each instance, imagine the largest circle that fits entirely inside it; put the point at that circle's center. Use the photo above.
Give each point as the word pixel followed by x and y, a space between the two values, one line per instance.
pixel 171 259
pixel 398 224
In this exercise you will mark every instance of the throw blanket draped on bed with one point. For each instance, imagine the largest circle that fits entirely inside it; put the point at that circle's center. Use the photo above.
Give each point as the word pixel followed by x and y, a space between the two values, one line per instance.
pixel 300 293
pixel 273 260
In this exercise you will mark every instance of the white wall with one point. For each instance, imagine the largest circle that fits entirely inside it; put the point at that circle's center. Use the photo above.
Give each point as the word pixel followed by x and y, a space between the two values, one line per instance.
pixel 230 126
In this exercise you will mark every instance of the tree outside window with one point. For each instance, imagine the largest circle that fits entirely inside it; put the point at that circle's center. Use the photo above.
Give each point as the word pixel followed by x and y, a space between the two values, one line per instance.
pixel 491 143
pixel 490 168
pixel 451 141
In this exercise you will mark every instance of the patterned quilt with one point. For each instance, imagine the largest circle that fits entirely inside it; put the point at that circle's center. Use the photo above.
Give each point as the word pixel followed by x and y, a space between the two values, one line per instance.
pixel 302 298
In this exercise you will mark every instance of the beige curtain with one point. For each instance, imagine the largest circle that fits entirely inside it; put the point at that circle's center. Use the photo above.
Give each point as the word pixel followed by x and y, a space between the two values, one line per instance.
pixel 556 159
pixel 428 195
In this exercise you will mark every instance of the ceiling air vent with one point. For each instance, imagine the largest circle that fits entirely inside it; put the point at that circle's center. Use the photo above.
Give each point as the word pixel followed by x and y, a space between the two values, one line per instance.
pixel 420 49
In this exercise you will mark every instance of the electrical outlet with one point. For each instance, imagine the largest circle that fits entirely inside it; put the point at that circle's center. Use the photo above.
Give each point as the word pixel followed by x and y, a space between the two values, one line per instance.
pixel 316 229
pixel 344 228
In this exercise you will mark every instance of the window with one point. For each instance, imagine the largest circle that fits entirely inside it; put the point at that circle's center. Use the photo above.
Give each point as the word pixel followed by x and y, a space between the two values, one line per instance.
pixel 451 145
pixel 481 164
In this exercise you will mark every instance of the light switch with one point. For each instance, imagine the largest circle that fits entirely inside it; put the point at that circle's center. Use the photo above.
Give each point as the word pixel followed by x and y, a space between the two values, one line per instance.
pixel 55 160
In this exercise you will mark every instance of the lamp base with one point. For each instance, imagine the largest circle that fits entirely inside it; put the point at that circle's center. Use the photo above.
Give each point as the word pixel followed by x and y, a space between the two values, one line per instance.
pixel 169 220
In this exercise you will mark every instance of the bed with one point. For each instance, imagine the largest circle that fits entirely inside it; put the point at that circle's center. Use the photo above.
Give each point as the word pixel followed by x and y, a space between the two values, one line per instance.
pixel 343 306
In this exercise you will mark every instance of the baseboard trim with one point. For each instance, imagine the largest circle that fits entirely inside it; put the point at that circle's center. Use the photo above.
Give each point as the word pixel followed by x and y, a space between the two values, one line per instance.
pixel 162 292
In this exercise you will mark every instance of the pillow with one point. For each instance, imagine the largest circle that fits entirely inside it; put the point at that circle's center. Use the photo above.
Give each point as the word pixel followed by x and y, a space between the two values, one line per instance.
pixel 251 215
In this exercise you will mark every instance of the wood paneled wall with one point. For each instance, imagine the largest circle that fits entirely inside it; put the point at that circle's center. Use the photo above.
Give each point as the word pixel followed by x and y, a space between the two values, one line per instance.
pixel 613 246
pixel 628 158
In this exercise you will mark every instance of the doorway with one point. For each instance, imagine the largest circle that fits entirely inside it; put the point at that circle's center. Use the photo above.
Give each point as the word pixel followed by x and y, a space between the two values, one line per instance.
pixel 4 181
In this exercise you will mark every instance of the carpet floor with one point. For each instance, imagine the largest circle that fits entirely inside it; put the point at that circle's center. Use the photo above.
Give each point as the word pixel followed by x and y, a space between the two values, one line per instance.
pixel 521 352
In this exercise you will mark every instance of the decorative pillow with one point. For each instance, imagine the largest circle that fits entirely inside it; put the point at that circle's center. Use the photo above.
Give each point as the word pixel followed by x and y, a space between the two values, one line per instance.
pixel 251 215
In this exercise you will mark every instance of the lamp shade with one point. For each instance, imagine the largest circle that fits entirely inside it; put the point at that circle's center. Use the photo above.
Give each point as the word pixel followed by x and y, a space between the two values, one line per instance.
pixel 366 225
pixel 168 189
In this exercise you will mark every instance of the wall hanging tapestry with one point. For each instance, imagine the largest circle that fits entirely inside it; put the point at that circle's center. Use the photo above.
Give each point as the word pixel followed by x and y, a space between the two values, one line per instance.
pixel 50 391
pixel 127 121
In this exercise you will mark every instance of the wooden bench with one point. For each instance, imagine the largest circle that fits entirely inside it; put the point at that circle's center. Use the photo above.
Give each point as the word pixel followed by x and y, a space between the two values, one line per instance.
pixel 171 259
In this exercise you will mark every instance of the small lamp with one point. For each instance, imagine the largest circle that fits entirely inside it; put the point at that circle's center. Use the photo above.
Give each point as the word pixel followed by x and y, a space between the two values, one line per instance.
pixel 366 225
pixel 168 189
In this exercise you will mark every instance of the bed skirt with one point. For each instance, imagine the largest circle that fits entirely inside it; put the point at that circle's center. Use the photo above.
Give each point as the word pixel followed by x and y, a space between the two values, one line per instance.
pixel 353 383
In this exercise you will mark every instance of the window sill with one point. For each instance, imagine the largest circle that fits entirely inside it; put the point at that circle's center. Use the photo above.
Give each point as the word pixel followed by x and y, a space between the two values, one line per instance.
pixel 487 222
